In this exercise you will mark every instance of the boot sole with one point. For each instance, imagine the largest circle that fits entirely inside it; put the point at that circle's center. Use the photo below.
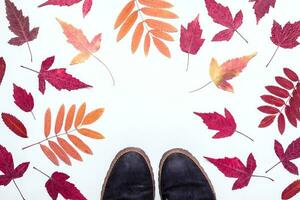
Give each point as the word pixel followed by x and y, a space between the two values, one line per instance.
pixel 189 155
pixel 121 153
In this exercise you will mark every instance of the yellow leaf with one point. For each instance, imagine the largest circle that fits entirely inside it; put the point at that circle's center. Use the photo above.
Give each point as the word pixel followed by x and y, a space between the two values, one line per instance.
pixel 80 58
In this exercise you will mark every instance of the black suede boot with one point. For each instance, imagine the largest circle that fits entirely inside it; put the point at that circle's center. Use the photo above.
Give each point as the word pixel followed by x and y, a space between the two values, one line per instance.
pixel 182 178
pixel 130 177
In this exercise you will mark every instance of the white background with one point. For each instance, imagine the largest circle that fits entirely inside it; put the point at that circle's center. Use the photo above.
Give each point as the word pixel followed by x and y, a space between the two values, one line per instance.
pixel 150 106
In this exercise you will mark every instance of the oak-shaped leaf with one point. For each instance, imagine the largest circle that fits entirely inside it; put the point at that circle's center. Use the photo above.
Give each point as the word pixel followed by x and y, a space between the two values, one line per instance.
pixel 283 101
pixel 285 37
pixel 2 69
pixel 223 16
pixel 190 38
pixel 19 25
pixel 150 26
pixel 225 125
pixel 291 190
pixel 58 78
pixel 14 124
pixel 292 152
pixel 10 173
pixel 62 149
pixel 262 7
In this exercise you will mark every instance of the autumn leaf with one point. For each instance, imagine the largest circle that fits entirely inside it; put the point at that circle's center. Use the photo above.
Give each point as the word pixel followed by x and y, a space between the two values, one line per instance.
pixel 262 7
pixel 14 124
pixel 283 102
pixel 2 69
pixel 220 74
pixel 292 152
pixel 58 78
pixel 86 7
pixel 190 38
pixel 222 15
pixel 62 149
pixel 234 168
pixel 19 25
pixel 147 28
pixel 10 173
pixel 23 99
pixel 57 184
pixel 224 124
pixel 291 190
pixel 79 41
pixel 284 37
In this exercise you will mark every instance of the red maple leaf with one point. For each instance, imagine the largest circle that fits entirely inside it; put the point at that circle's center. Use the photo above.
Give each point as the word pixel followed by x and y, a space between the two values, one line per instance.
pixel 262 7
pixel 23 99
pixel 10 173
pixel 222 15
pixel 224 124
pixel 58 184
pixel 292 152
pixel 19 25
pixel 2 69
pixel 190 38
pixel 285 37
pixel 234 168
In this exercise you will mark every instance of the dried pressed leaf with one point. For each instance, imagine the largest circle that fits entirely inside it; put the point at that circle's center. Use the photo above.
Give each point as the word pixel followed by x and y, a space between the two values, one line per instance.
pixel 124 13
pixel 281 123
pixel 70 118
pixel 162 35
pixel 160 25
pixel 47 122
pixel 156 3
pixel 80 114
pixel 287 84
pixel 59 119
pixel 290 74
pixel 80 144
pixel 90 133
pixel 147 44
pixel 69 149
pixel 267 121
pixel 93 116
pixel 272 100
pixel 162 47
pixel 160 13
pixel 59 152
pixel 50 155
pixel 137 36
pixel 291 116
pixel 125 28
pixel 278 91
pixel 268 109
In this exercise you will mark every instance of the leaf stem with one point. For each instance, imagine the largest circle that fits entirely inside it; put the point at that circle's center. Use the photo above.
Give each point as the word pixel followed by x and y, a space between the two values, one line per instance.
pixel 29 69
pixel 241 36
pixel 41 172
pixel 188 62
pixel 259 176
pixel 273 167
pixel 18 189
pixel 244 135
pixel 109 71
pixel 48 139
pixel 30 52
pixel 33 115
pixel 272 56
pixel 201 87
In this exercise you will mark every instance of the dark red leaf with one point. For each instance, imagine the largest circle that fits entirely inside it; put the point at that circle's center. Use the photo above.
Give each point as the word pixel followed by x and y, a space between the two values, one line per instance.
pixel 278 91
pixel 281 123
pixel 58 78
pixel 58 184
pixel 23 99
pixel 224 124
pixel 266 121
pixel 268 109
pixel 86 7
pixel 223 35
pixel 234 168
pixel 291 116
pixel 14 124
pixel 262 7
pixel 290 74
pixel 272 100
pixel 20 170
pixel 2 69
pixel 284 82
pixel 291 190
pixel 60 2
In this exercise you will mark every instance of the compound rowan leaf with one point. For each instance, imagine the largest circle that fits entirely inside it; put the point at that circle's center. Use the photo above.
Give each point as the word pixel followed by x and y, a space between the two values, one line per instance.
pixel 234 168
pixel 2 69
pixel 220 74
pixel 14 124
pixel 58 78
pixel 58 184
pixel 23 99
pixel 50 155
pixel 262 7
pixel 291 190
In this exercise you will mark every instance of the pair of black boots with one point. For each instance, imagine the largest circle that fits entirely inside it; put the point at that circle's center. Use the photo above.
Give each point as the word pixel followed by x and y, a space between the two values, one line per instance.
pixel 181 177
